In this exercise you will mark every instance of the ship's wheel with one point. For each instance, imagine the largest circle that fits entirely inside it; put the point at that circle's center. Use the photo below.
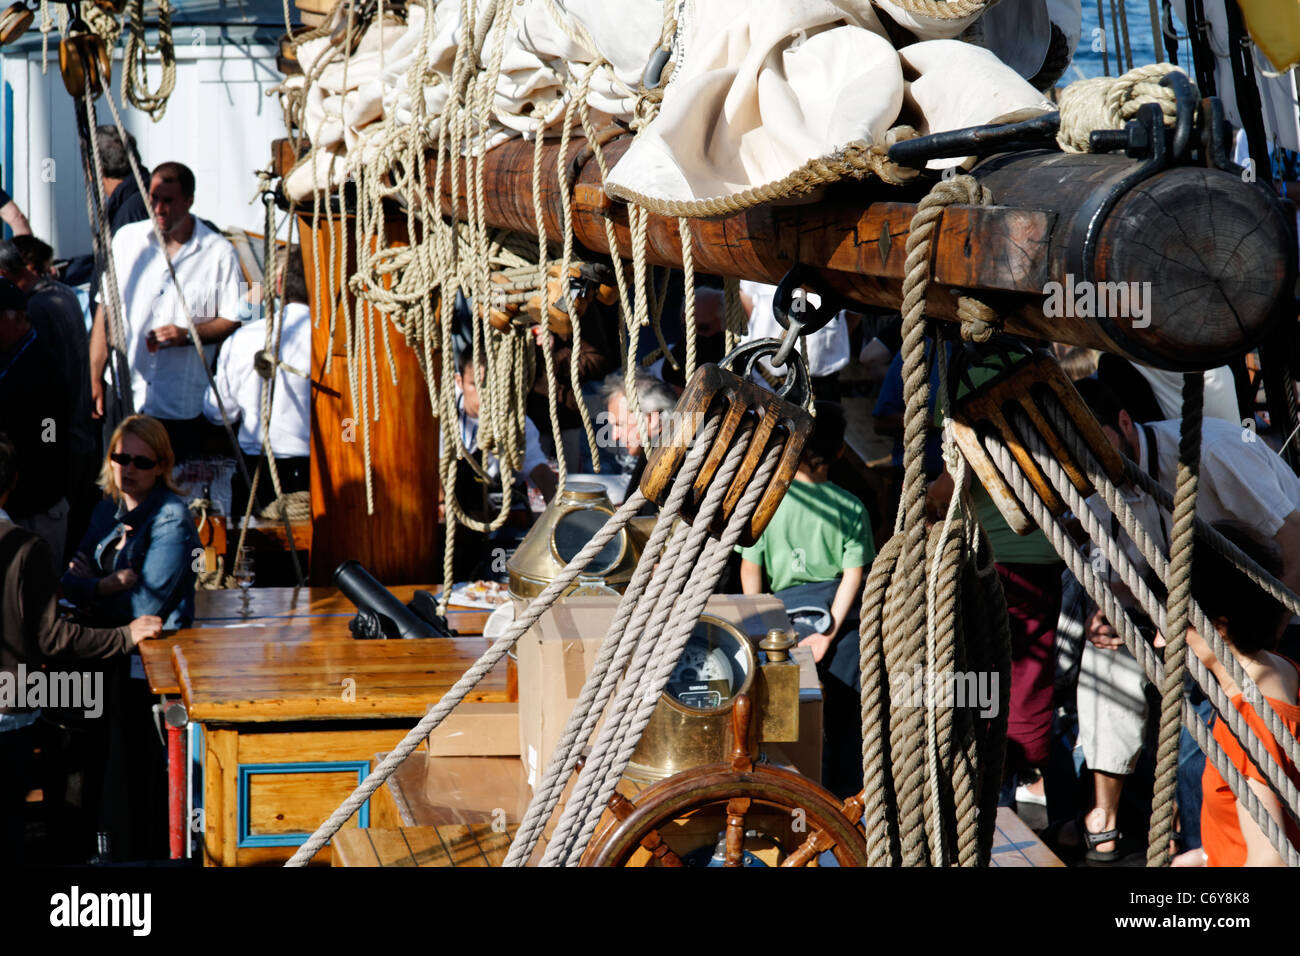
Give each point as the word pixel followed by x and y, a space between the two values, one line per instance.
pixel 658 821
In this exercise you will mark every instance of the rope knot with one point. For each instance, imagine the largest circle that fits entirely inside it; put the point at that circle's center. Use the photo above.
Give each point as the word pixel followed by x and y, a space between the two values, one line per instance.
pixel 979 320
pixel 264 362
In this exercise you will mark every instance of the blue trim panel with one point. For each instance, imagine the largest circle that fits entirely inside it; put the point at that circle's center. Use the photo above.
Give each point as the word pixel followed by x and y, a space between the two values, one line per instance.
pixel 246 771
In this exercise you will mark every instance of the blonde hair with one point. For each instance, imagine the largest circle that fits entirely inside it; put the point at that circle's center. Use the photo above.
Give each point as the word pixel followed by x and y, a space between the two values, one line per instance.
pixel 150 431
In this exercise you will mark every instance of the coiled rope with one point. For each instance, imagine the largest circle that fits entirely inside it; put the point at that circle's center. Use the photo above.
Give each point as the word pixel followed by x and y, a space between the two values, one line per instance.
pixel 923 801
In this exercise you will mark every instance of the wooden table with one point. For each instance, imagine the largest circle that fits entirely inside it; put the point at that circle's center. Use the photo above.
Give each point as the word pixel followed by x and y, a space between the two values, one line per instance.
pixel 266 607
pixel 287 708
pixel 265 682
pixel 273 615
pixel 289 728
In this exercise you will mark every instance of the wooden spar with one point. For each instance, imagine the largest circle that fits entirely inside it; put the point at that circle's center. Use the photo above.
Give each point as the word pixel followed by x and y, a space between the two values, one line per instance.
pixel 1209 260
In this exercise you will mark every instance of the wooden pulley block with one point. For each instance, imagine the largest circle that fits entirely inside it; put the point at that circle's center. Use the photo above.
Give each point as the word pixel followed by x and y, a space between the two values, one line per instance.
pixel 111 6
pixel 714 390
pixel 83 61
pixel 558 319
pixel 502 319
pixel 988 408
pixel 286 58
pixel 14 22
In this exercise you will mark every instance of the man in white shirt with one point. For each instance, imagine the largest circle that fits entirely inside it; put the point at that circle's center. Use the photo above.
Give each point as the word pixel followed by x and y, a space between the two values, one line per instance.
pixel 240 385
pixel 168 378
pixel 1241 481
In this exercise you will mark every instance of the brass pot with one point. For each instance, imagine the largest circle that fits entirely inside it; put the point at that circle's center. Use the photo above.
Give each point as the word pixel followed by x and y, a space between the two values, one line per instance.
pixel 571 520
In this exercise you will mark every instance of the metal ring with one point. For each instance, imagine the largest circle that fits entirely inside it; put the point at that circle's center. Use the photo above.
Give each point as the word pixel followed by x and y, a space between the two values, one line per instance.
pixel 796 389
pixel 1185 98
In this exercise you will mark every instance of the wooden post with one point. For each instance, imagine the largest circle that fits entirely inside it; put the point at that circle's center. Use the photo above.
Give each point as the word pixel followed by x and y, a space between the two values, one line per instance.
pixel 398 543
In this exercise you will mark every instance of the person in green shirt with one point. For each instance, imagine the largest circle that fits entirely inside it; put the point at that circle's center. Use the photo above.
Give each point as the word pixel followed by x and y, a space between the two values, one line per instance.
pixel 814 554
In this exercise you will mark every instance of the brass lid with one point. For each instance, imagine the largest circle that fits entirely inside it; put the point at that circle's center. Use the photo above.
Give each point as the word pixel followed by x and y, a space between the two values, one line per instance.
pixel 570 521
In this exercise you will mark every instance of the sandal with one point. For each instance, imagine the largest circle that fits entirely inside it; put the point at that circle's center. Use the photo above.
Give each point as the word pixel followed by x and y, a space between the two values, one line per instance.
pixel 1094 855
pixel 1071 838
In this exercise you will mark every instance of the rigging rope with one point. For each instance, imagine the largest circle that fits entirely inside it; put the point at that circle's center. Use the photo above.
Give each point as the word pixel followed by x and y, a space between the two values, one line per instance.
pixel 135 80
pixel 921 801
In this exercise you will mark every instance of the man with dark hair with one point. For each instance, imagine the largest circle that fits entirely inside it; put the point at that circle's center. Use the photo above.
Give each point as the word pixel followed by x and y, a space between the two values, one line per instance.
pixel 122 200
pixel 239 385
pixel 168 374
pixel 814 553
pixel 1241 481
pixel 30 632
pixel 56 315
pixel 33 412
pixel 123 203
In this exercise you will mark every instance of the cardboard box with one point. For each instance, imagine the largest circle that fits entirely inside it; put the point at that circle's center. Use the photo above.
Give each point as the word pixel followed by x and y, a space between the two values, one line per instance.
pixel 558 652
pixel 477 730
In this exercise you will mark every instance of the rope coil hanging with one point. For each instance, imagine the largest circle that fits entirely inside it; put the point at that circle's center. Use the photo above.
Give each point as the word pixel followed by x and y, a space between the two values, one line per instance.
pixel 931 601
pixel 135 84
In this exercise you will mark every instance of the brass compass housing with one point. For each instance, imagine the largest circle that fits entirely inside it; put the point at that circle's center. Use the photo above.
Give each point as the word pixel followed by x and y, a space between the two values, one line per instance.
pixel 571 520
pixel 691 724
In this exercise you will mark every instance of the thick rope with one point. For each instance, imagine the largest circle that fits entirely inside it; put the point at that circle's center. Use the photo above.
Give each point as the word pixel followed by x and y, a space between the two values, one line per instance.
pixel 945 9
pixel 1106 102
pixel 1151 663
pixel 1155 557
pixel 135 82
pixel 611 660
pixel 1181 544
pixel 690 604
pixel 606 762
pixel 906 624
pixel 688 296
pixel 856 160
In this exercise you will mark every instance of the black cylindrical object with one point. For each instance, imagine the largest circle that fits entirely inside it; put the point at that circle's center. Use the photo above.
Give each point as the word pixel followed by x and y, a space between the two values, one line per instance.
pixel 379 614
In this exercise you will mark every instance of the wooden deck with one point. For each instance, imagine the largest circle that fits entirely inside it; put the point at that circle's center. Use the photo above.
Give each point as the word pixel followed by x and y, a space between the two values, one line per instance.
pixel 459 802
pixel 479 844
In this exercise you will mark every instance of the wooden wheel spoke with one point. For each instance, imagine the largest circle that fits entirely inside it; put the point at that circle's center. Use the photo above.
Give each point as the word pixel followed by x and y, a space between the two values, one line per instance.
pixel 818 842
pixel 737 807
pixel 660 850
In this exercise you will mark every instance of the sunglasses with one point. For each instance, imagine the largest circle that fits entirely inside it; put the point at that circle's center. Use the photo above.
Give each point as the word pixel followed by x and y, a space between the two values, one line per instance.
pixel 141 462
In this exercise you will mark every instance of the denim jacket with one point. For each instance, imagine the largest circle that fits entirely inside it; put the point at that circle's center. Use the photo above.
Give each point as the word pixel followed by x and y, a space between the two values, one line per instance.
pixel 160 548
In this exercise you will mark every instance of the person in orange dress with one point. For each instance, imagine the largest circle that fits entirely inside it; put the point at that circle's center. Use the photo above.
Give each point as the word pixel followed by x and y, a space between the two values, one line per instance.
pixel 1250 622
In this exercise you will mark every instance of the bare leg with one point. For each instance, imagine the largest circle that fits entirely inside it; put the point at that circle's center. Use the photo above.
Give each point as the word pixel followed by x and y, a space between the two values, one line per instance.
pixel 1106 788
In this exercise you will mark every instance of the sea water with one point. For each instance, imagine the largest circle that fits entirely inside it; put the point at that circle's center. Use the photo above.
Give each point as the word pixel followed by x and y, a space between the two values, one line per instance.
pixel 1089 60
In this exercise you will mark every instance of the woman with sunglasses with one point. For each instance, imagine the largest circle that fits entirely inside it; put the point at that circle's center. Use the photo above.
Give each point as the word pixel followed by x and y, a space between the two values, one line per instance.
pixel 137 556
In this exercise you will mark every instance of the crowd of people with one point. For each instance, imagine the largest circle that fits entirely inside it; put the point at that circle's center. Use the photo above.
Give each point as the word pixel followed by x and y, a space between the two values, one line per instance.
pixel 90 513
pixel 98 546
